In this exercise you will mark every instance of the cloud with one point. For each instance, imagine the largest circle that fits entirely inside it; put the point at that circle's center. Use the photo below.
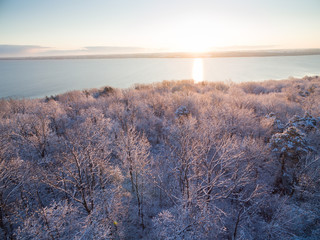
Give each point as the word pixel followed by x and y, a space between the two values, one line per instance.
pixel 34 50
pixel 116 50
pixel 21 50
pixel 246 47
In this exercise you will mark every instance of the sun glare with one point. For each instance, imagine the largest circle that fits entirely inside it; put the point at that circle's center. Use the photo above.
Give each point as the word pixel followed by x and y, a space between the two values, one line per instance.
pixel 194 34
pixel 197 71
pixel 194 44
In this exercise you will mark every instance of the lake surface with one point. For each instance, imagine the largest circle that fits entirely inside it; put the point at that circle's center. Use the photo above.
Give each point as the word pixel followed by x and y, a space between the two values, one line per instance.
pixel 39 78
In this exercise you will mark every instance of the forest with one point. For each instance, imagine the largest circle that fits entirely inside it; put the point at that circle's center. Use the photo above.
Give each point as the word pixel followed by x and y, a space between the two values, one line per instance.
pixel 169 160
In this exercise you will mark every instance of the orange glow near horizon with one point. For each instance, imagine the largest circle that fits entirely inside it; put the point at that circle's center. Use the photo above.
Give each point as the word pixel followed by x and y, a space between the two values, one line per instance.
pixel 197 70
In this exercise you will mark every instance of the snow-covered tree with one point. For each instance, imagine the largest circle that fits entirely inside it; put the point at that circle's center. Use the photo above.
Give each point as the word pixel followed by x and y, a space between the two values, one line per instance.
pixel 133 152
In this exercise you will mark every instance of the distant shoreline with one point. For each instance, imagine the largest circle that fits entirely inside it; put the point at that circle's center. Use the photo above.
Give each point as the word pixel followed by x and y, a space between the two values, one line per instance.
pixel 224 54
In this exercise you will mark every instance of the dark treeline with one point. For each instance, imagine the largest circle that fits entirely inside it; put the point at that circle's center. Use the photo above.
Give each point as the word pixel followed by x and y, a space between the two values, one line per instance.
pixel 170 160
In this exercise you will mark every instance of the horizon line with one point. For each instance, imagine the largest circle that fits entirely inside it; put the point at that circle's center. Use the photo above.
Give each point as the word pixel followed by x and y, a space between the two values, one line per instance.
pixel 180 54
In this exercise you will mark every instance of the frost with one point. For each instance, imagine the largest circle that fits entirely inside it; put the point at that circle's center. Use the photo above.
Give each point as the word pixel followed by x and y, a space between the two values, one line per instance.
pixel 171 160
pixel 182 111
pixel 306 123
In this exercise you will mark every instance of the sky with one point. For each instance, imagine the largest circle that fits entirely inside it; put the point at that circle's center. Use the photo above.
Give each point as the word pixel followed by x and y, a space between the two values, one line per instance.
pixel 60 27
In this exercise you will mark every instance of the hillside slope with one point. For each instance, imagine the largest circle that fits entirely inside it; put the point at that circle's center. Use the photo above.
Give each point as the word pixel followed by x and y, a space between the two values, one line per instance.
pixel 170 160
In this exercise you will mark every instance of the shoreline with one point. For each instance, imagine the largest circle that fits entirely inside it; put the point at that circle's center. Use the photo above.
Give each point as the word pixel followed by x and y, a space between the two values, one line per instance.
pixel 157 85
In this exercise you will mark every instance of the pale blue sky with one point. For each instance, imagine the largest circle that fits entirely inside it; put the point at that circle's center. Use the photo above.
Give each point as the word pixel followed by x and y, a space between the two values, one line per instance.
pixel 169 25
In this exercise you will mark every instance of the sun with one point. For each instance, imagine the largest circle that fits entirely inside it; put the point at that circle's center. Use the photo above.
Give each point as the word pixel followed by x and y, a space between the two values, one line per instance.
pixel 195 48
pixel 195 43
pixel 194 35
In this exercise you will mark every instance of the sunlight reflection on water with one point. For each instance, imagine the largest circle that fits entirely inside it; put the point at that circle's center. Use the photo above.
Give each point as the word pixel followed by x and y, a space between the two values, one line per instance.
pixel 197 70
